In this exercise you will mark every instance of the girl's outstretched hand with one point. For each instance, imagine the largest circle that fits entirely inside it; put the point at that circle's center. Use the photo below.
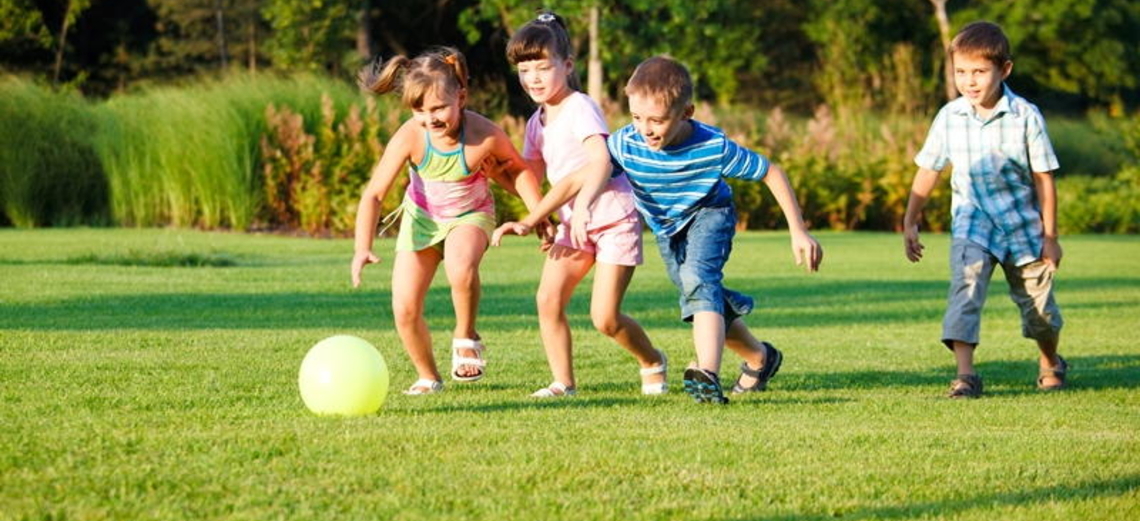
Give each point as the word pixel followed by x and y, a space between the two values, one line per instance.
pixel 807 251
pixel 359 261
pixel 508 227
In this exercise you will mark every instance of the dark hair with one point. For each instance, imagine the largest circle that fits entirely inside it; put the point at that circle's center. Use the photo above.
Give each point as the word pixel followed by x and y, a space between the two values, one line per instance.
pixel 984 39
pixel 544 37
pixel 442 68
pixel 663 78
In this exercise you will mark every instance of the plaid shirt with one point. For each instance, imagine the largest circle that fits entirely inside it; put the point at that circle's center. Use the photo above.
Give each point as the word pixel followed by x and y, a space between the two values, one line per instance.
pixel 994 201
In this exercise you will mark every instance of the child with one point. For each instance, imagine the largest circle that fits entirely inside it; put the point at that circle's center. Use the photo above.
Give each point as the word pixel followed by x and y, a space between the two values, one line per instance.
pixel 1004 205
pixel 567 134
pixel 676 166
pixel 448 212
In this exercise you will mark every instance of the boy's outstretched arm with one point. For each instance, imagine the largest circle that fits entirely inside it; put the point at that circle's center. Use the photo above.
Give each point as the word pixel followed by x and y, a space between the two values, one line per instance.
pixel 1047 197
pixel 805 248
pixel 920 190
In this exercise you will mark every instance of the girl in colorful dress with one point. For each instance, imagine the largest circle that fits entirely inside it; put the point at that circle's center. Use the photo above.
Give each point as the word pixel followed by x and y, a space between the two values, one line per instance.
pixel 448 212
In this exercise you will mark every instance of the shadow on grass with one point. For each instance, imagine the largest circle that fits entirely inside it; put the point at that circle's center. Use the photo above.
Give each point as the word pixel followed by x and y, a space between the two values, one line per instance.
pixel 988 501
pixel 1086 372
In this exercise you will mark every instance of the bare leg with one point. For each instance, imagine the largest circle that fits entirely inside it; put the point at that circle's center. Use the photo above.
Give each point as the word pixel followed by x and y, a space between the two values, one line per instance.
pixel 563 270
pixel 708 339
pixel 1048 360
pixel 741 341
pixel 463 251
pixel 964 356
pixel 610 284
pixel 411 276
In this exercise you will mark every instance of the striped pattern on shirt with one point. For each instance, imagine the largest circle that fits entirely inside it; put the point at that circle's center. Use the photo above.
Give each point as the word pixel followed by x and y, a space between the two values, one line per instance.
pixel 994 199
pixel 671 184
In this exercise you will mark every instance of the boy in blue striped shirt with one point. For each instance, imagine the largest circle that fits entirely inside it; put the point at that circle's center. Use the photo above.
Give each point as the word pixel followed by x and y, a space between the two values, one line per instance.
pixel 1003 206
pixel 677 167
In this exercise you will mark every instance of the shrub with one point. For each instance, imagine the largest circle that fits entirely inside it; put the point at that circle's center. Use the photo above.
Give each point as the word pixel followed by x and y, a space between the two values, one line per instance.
pixel 49 172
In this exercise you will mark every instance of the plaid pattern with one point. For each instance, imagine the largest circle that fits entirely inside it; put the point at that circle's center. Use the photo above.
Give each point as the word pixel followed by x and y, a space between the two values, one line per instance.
pixel 994 201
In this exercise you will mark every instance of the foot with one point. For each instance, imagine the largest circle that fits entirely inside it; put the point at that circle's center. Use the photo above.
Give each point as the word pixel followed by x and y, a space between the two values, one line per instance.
pixel 704 386
pixel 755 377
pixel 554 390
pixel 467 364
pixel 653 377
pixel 966 386
pixel 1051 376
pixel 424 386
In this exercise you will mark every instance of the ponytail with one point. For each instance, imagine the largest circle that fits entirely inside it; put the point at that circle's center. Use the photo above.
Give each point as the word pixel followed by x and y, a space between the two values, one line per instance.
pixel 443 69
pixel 379 77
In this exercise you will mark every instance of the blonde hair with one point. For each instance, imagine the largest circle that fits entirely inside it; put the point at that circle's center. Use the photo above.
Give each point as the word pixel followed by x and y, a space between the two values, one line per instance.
pixel 662 78
pixel 984 39
pixel 443 69
pixel 542 38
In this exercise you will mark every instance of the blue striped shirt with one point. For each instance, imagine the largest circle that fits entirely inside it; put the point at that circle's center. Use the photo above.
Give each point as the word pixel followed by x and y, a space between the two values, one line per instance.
pixel 671 184
pixel 994 199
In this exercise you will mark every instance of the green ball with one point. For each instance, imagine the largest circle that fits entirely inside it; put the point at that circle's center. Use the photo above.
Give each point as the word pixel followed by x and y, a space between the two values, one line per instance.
pixel 343 376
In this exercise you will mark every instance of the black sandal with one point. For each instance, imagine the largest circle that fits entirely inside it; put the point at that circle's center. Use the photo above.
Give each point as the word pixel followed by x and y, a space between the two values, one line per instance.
pixel 1058 371
pixel 704 386
pixel 966 386
pixel 772 360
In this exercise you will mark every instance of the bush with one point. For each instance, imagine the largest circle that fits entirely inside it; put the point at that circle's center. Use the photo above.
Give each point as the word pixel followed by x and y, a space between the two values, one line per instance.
pixel 49 172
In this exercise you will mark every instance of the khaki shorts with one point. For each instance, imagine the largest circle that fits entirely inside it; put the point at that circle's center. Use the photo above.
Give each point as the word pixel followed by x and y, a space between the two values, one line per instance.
pixel 1030 287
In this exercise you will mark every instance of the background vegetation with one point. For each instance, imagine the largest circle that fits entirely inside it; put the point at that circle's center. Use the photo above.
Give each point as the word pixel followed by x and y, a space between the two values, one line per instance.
pixel 241 114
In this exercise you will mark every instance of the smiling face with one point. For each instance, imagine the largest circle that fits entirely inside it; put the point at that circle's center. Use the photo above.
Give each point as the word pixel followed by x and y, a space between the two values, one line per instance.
pixel 660 125
pixel 545 80
pixel 441 114
pixel 979 80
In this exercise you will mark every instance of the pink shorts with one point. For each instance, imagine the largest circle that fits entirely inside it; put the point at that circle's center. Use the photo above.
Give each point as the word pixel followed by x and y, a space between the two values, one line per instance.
pixel 617 243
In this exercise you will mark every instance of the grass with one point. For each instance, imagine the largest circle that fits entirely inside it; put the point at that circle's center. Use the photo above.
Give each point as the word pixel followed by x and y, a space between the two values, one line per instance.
pixel 151 390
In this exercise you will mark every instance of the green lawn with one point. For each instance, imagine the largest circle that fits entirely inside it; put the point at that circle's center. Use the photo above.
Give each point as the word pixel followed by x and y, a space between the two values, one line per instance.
pixel 152 374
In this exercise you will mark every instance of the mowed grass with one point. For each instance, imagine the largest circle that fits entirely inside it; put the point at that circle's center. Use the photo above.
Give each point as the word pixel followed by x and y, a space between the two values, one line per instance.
pixel 154 388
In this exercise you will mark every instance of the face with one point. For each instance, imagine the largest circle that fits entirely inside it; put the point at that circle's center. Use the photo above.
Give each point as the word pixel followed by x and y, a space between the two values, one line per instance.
pixel 657 123
pixel 544 80
pixel 979 79
pixel 440 113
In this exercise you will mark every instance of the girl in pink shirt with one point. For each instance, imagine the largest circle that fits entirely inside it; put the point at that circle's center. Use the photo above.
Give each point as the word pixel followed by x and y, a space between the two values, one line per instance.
pixel 565 136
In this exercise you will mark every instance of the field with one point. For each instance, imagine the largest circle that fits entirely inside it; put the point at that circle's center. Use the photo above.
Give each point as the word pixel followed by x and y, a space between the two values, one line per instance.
pixel 152 374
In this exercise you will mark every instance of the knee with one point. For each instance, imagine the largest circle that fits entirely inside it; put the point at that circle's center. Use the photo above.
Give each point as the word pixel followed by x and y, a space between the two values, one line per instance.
pixel 606 324
pixel 406 313
pixel 548 302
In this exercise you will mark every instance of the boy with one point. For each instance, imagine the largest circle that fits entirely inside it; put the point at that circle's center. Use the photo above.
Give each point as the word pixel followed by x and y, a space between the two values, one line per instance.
pixel 676 166
pixel 1004 207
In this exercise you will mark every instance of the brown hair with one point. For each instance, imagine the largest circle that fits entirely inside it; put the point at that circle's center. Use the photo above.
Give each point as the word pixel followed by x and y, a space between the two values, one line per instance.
pixel 663 78
pixel 984 39
pixel 443 69
pixel 544 37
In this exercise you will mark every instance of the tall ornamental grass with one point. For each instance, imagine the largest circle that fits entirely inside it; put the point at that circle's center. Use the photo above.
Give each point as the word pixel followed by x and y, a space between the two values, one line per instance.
pixel 188 156
pixel 50 174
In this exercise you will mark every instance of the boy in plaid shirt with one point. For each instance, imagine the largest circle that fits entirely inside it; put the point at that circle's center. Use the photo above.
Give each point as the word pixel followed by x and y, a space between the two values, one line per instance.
pixel 1004 205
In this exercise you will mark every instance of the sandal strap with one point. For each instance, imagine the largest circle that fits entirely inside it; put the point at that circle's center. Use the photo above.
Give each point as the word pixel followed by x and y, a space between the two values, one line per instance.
pixel 554 390
pixel 467 343
pixel 657 369
pixel 432 386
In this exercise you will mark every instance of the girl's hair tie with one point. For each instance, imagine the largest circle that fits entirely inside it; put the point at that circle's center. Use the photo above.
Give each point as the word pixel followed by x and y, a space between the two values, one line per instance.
pixel 545 18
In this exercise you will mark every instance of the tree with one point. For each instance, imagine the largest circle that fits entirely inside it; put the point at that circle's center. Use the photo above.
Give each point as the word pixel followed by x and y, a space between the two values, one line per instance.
pixel 71 11
pixel 311 35
pixel 944 33
pixel 201 35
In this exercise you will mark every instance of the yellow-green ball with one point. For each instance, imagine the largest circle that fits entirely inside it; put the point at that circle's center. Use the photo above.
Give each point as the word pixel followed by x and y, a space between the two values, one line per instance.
pixel 343 375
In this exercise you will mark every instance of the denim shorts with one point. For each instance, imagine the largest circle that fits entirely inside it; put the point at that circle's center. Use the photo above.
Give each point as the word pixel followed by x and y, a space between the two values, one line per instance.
pixel 695 258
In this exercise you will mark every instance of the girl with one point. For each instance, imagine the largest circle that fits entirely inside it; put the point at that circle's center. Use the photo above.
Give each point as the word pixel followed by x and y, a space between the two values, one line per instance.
pixel 566 135
pixel 448 212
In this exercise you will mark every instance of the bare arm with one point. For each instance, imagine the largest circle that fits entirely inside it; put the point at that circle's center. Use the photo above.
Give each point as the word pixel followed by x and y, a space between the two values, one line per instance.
pixel 920 189
pixel 1047 197
pixel 805 248
pixel 368 211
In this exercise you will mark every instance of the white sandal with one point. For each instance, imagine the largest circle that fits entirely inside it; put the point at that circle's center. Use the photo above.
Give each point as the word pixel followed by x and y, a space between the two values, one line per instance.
pixel 661 387
pixel 460 361
pixel 424 386
pixel 554 390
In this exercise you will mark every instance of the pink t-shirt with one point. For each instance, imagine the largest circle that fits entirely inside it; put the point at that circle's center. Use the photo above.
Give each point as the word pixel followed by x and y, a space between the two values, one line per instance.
pixel 559 144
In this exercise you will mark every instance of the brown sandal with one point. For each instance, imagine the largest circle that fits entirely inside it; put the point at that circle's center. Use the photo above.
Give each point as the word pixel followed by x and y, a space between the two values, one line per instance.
pixel 966 386
pixel 1058 371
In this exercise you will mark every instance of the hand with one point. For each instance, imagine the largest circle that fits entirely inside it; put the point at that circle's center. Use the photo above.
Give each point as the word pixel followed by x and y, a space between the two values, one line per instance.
pixel 546 232
pixel 807 251
pixel 1051 252
pixel 508 227
pixel 912 245
pixel 579 222
pixel 359 261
